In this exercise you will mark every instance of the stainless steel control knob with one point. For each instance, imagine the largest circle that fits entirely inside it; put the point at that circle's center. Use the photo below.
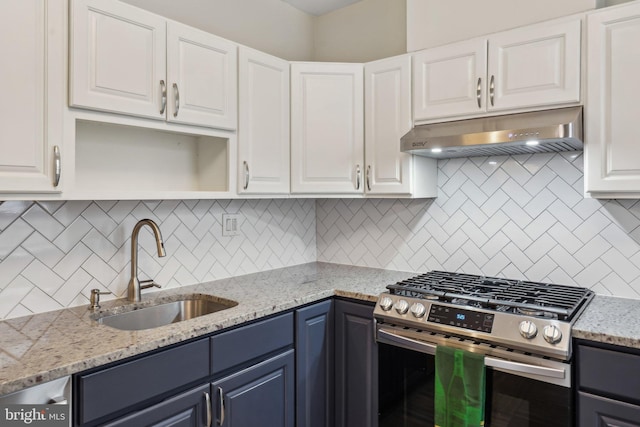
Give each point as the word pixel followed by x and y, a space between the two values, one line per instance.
pixel 402 307
pixel 386 303
pixel 528 329
pixel 552 334
pixel 418 310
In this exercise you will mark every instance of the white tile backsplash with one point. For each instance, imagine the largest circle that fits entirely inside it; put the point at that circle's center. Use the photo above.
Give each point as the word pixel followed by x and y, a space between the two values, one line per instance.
pixel 53 253
pixel 521 216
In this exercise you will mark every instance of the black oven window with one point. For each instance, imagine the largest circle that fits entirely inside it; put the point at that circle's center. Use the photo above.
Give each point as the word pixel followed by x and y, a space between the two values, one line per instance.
pixel 406 395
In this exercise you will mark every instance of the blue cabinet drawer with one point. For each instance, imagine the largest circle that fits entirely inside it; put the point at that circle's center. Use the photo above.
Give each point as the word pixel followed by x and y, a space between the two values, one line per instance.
pixel 246 343
pixel 123 386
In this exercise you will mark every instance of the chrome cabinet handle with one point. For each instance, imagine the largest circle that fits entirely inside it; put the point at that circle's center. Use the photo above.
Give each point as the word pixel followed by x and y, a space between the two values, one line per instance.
pixel 388 337
pixel 207 402
pixel 369 178
pixel 492 89
pixel 479 92
pixel 57 166
pixel 221 400
pixel 358 177
pixel 163 91
pixel 176 97
pixel 246 175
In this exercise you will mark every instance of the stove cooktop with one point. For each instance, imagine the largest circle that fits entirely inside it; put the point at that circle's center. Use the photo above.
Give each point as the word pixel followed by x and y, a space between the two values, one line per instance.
pixel 512 296
pixel 527 316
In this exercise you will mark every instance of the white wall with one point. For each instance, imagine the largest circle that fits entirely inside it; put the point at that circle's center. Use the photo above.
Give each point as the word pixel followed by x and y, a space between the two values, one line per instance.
pixel 436 22
pixel 271 26
pixel 365 31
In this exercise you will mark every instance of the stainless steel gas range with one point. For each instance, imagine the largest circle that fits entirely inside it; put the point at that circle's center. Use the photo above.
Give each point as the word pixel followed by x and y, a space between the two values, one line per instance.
pixel 522 328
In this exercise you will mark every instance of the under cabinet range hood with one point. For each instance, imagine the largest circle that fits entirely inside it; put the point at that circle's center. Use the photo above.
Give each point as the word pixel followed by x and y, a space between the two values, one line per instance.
pixel 525 133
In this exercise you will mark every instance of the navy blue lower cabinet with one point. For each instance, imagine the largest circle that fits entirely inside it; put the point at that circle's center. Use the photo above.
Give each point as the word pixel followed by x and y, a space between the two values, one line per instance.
pixel 189 409
pixel 260 395
pixel 356 365
pixel 609 394
pixel 314 366
pixel 598 411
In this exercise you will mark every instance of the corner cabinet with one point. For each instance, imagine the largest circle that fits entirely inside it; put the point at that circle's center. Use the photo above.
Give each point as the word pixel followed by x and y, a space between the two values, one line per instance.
pixel 525 68
pixel 33 79
pixel 126 60
pixel 608 393
pixel 356 359
pixel 314 365
pixel 612 151
pixel 327 136
pixel 263 123
pixel 387 98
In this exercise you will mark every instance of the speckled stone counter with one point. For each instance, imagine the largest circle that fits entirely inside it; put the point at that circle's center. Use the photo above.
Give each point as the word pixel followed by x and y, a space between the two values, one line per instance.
pixel 42 347
pixel 610 320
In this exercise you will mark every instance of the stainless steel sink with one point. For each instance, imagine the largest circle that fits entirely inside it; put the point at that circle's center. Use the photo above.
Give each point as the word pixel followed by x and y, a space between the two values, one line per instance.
pixel 148 317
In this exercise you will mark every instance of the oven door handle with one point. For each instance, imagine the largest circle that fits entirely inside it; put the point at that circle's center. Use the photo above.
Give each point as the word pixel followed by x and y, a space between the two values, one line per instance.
pixel 388 337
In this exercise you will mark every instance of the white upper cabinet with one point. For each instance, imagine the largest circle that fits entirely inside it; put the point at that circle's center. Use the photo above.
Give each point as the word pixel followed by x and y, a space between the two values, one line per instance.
pixel 524 68
pixel 118 58
pixel 263 128
pixel 130 61
pixel 387 118
pixel 327 143
pixel 612 107
pixel 450 80
pixel 32 49
pixel 535 66
pixel 202 79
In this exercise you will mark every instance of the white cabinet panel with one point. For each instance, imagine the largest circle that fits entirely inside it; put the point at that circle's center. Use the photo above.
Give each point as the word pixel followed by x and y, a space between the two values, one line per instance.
pixel 525 68
pixel 536 65
pixel 387 119
pixel 450 80
pixel 202 78
pixel 118 58
pixel 612 148
pixel 263 134
pixel 31 43
pixel 327 128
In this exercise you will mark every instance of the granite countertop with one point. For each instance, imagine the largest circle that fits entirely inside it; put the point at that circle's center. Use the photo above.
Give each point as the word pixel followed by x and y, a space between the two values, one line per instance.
pixel 43 347
pixel 610 320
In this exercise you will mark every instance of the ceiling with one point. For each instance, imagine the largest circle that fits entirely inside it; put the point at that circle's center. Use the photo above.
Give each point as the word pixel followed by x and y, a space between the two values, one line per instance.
pixel 319 7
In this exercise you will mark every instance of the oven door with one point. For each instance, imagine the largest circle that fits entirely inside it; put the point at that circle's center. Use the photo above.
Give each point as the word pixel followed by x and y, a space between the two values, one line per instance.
pixel 530 392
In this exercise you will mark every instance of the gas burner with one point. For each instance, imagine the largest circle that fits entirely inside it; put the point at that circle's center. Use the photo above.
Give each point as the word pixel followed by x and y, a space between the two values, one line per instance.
pixel 535 312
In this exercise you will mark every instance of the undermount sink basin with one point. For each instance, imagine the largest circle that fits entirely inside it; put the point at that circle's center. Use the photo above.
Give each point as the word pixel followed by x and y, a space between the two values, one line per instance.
pixel 148 317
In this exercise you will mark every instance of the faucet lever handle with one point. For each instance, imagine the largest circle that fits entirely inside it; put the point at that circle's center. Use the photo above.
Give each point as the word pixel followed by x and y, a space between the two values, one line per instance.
pixel 146 284
pixel 95 298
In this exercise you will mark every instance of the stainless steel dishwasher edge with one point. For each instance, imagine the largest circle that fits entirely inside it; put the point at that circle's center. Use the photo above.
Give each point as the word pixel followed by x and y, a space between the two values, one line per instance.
pixel 43 405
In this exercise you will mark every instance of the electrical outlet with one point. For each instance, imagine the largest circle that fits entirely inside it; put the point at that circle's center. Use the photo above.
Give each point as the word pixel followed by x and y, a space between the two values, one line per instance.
pixel 230 224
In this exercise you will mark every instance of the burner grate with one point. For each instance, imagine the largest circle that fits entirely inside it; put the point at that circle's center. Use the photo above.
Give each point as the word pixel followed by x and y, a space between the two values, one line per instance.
pixel 549 299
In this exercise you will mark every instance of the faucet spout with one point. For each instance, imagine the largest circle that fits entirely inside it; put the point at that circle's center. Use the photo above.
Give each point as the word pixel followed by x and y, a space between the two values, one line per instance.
pixel 134 288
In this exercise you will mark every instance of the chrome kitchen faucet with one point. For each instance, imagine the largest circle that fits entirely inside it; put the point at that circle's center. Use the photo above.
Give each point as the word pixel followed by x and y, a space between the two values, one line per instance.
pixel 135 286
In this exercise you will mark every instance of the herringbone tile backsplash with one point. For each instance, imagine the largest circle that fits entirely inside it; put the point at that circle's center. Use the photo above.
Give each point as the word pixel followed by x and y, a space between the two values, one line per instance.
pixel 53 253
pixel 516 217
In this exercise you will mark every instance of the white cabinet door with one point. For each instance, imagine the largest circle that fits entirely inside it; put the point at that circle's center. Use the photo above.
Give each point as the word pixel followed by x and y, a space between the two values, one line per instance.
pixel 118 58
pixel 30 30
pixel 387 117
pixel 612 107
pixel 327 150
pixel 202 78
pixel 450 80
pixel 537 65
pixel 263 132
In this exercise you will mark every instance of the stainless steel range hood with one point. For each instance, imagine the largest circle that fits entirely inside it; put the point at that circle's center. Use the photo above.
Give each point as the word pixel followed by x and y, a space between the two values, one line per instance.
pixel 537 132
